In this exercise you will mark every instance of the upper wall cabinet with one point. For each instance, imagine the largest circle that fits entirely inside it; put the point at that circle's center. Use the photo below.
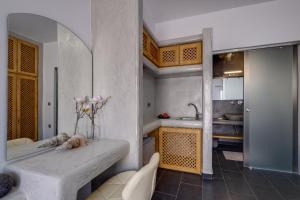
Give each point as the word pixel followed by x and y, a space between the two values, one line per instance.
pixel 175 55
pixel 169 56
pixel 191 54
pixel 154 52
pixel 151 50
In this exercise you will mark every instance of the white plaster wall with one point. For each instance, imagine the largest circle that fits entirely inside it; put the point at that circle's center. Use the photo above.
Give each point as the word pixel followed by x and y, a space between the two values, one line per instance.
pixel 149 93
pixel 147 18
pixel 254 25
pixel 174 94
pixel 74 80
pixel 50 61
pixel 117 67
pixel 73 13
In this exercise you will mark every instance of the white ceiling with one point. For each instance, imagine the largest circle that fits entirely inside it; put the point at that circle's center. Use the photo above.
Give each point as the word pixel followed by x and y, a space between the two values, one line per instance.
pixel 34 27
pixel 164 10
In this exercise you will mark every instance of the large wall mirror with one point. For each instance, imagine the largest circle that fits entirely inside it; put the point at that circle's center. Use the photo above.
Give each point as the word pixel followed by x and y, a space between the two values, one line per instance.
pixel 48 66
pixel 228 88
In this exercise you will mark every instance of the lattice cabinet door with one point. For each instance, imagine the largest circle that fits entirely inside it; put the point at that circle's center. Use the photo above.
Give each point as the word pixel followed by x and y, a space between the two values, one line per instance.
pixel 154 52
pixel 27 58
pixel 12 54
pixel 191 54
pixel 169 56
pixel 181 149
pixel 27 105
pixel 146 44
pixel 12 107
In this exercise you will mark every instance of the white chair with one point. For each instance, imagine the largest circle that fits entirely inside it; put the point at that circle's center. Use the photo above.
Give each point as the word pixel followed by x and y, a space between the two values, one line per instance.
pixel 130 185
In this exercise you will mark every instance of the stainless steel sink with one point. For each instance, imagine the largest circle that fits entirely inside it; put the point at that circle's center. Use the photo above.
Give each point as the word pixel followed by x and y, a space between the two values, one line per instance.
pixel 187 118
pixel 234 116
pixel 219 119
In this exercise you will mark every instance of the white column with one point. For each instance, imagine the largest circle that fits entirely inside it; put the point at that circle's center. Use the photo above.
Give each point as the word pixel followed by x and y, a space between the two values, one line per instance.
pixel 207 101
pixel 116 29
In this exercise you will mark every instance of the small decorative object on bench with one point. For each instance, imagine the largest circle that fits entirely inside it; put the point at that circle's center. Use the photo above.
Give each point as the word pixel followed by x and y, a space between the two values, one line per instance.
pixel 55 141
pixel 82 106
pixel 74 142
pixel 89 106
pixel 6 184
pixel 97 103
pixel 163 116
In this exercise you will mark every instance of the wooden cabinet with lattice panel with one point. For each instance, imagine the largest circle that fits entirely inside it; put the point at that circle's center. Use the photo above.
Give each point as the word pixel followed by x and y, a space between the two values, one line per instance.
pixel 169 56
pixel 150 48
pixel 154 52
pixel 12 54
pixel 12 107
pixel 146 44
pixel 181 149
pixel 155 134
pixel 27 58
pixel 22 89
pixel 27 107
pixel 191 54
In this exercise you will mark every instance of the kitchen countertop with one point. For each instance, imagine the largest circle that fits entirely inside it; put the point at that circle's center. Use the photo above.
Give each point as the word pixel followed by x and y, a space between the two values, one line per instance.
pixel 57 175
pixel 172 122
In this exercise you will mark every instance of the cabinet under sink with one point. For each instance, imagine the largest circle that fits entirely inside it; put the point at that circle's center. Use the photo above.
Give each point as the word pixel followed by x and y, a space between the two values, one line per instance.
pixel 180 148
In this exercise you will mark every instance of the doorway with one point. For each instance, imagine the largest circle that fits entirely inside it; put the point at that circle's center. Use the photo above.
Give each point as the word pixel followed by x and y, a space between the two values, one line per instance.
pixel 228 104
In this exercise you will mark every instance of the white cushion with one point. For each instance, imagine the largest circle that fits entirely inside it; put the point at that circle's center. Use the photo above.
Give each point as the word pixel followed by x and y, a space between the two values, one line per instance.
pixel 18 142
pixel 112 189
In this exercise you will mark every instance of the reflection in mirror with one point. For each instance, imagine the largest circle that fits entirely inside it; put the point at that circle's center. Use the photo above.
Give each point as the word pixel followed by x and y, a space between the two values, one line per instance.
pixel 228 88
pixel 48 66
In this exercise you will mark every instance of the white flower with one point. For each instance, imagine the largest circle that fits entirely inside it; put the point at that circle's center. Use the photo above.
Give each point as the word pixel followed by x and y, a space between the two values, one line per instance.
pixel 94 100
pixel 86 107
pixel 81 100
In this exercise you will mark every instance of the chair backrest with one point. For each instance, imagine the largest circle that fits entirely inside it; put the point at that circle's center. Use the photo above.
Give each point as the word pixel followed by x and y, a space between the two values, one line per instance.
pixel 141 186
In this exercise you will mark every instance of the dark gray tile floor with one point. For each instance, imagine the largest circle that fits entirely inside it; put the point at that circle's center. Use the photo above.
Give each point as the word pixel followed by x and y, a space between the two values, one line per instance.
pixel 231 181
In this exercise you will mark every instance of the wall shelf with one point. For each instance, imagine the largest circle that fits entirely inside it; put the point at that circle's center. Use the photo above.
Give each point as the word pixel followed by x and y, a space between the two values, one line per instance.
pixel 228 137
pixel 170 72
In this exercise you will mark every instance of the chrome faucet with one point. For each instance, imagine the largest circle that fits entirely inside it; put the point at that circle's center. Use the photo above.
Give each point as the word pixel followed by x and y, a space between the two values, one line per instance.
pixel 198 114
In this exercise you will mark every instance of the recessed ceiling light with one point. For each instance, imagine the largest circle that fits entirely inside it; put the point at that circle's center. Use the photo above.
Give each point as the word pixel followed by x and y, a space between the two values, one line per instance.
pixel 234 72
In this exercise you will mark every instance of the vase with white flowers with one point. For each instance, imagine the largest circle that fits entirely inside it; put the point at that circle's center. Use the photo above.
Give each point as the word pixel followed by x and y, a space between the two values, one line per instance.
pixel 96 104
pixel 81 108
pixel 89 106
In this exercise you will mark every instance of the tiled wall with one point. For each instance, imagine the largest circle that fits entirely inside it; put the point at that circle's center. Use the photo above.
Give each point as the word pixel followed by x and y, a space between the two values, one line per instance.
pixel 220 107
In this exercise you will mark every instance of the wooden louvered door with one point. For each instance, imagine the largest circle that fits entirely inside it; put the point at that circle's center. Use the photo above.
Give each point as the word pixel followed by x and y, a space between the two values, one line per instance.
pixel 12 107
pixel 27 107
pixel 12 54
pixel 27 58
pixel 22 89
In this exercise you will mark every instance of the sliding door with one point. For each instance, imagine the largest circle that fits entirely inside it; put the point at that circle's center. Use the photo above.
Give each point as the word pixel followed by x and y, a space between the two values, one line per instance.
pixel 269 108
